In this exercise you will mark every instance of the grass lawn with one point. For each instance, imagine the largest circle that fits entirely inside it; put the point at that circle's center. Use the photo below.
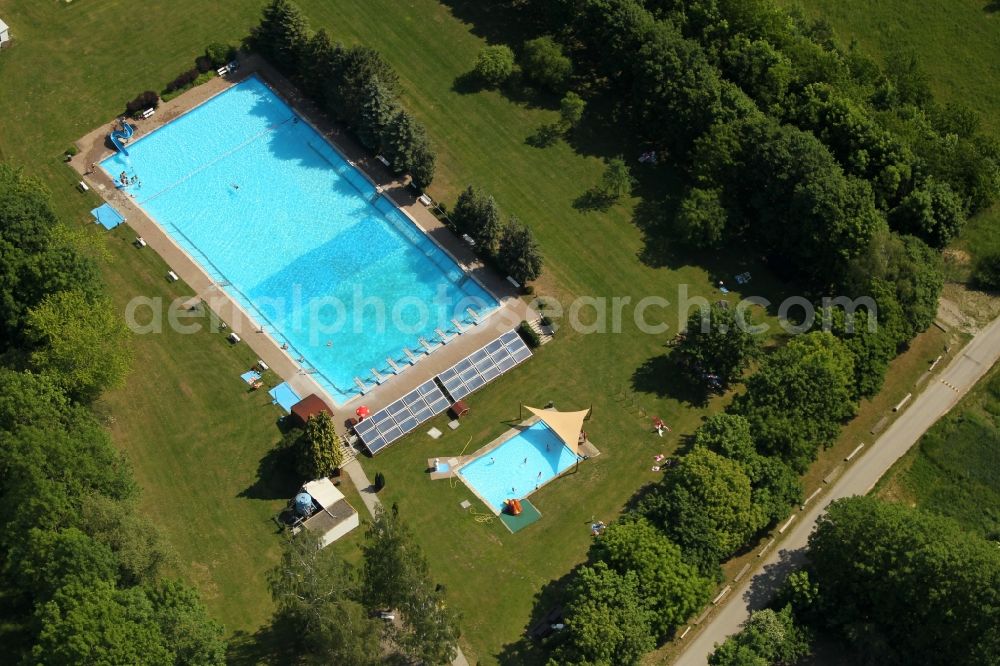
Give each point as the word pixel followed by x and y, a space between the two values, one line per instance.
pixel 955 468
pixel 197 438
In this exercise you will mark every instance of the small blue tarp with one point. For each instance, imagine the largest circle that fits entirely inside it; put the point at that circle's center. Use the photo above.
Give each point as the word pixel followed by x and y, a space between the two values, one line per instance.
pixel 250 376
pixel 284 396
pixel 107 216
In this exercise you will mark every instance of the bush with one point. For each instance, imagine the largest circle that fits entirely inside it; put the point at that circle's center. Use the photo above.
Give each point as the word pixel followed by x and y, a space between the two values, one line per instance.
pixel 545 64
pixel 203 64
pixel 72 150
pixel 144 100
pixel 986 274
pixel 220 54
pixel 184 79
pixel 379 481
pixel 528 334
pixel 494 64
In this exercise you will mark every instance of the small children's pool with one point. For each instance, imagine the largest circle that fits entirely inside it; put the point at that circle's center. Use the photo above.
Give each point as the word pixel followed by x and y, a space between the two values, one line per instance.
pixel 293 232
pixel 518 467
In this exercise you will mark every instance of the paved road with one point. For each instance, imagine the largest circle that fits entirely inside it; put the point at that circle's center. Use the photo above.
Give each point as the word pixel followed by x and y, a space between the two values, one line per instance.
pixel 943 391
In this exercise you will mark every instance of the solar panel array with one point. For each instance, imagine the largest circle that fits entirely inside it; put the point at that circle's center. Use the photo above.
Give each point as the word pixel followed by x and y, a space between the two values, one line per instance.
pixel 387 425
pixel 484 365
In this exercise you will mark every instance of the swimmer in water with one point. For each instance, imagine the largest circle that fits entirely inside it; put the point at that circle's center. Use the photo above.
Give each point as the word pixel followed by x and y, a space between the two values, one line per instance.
pixel 235 186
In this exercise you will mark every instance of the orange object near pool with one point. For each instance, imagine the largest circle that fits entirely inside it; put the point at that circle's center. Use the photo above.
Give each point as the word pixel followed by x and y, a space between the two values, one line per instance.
pixel 514 507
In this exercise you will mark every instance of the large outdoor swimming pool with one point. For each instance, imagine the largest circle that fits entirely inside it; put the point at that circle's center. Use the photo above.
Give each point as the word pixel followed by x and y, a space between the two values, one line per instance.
pixel 298 236
pixel 518 467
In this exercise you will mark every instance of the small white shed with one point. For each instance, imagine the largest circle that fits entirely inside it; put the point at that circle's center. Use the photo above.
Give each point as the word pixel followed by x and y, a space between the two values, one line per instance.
pixel 4 33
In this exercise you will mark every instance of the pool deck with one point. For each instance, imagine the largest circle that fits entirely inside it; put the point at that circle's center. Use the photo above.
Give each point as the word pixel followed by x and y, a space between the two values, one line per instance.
pixel 94 148
pixel 455 463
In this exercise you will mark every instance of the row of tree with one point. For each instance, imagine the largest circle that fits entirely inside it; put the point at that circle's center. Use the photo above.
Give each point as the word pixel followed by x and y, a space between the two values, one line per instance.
pixel 509 245
pixel 81 573
pixel 353 85
pixel 894 584
pixel 332 609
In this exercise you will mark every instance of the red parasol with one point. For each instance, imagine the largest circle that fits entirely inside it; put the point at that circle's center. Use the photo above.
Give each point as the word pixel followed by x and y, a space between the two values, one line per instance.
pixel 362 412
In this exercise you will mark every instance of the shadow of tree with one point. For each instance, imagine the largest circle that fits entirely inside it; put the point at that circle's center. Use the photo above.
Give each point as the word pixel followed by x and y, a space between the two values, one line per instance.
pixel 594 199
pixel 527 651
pixel 663 377
pixel 468 83
pixel 766 583
pixel 276 475
pixel 274 644
pixel 544 136
pixel 992 7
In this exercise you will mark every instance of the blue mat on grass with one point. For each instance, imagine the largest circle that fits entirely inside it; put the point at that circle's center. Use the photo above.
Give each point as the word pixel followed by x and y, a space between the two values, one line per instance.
pixel 284 396
pixel 107 216
pixel 250 376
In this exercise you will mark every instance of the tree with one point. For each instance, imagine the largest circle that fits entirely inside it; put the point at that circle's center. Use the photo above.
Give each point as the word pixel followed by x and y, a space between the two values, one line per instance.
pixel 905 586
pixel 704 505
pixel 319 594
pixel 395 576
pixel 701 218
pixel 81 341
pixel 774 485
pixel 571 110
pixel 544 63
pixel 671 589
pixel 377 111
pixel 98 624
pixel 799 397
pixel 494 64
pixel 347 89
pixel 911 267
pixel 932 211
pixel 38 256
pixel 193 637
pixel 282 35
pixel 616 181
pixel 518 255
pixel 405 145
pixel 718 345
pixel 606 619
pixel 768 638
pixel 322 451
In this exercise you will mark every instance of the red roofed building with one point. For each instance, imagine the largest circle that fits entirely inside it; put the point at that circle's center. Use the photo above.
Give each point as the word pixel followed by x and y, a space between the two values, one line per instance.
pixel 306 407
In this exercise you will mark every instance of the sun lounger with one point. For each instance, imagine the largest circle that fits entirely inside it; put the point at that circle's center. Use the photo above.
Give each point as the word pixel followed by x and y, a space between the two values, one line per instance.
pixel 425 200
pixel 517 285
pixel 410 355
pixel 140 241
pixel 172 276
pixel 382 159
pixel 222 71
pixel 148 113
pixel 84 187
pixel 469 240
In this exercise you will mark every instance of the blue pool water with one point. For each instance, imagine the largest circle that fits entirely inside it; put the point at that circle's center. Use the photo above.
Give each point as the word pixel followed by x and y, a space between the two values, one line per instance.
pixel 297 236
pixel 503 474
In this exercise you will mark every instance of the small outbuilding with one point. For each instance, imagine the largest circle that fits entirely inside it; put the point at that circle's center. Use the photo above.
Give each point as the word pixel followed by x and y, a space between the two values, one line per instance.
pixel 311 405
pixel 4 33
pixel 322 509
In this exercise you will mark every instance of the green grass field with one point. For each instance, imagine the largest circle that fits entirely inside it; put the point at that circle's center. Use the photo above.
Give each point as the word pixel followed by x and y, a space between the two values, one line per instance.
pixel 955 468
pixel 197 438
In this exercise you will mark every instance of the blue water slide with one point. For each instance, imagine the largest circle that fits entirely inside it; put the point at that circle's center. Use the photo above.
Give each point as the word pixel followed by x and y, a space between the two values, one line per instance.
pixel 118 135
